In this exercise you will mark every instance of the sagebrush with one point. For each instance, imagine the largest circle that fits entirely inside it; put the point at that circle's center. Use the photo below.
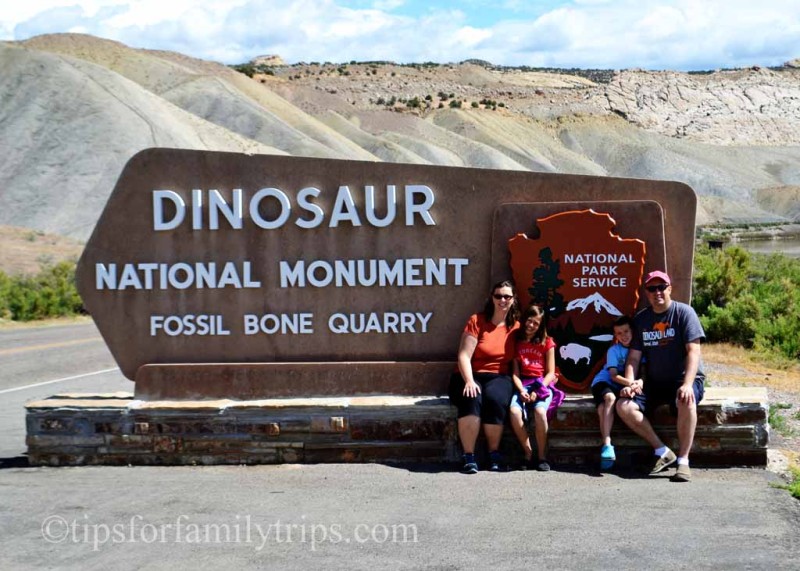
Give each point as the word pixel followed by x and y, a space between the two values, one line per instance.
pixel 50 293
pixel 752 300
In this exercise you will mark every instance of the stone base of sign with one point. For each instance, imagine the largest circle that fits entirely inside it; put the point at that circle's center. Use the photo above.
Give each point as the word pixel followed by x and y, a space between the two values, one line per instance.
pixel 732 430
pixel 253 381
pixel 116 429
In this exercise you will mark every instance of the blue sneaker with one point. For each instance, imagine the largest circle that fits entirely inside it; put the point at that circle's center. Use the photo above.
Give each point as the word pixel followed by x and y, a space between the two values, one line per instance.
pixel 607 457
pixel 494 461
pixel 470 466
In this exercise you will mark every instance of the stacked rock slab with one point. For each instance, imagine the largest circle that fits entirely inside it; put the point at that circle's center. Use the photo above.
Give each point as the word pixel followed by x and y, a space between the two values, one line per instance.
pixel 115 429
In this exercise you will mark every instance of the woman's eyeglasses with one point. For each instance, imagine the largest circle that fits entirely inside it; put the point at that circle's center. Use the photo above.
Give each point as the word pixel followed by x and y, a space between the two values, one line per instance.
pixel 655 288
pixel 499 296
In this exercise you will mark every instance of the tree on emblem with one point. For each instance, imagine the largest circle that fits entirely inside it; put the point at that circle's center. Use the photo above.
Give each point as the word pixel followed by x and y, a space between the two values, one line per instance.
pixel 546 283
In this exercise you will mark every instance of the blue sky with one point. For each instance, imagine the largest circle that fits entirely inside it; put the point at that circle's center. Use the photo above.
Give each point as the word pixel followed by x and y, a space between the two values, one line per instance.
pixel 616 34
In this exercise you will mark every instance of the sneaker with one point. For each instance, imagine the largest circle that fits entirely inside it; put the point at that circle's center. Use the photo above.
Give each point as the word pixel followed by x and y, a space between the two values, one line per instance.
pixel 469 468
pixel 607 457
pixel 664 461
pixel 684 474
pixel 494 461
pixel 543 466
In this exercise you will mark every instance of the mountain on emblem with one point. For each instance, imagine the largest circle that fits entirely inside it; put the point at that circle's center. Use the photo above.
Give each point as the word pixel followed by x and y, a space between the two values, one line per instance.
pixel 600 304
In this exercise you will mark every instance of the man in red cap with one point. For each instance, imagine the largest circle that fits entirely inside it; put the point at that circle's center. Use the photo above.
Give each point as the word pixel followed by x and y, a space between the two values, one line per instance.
pixel 667 334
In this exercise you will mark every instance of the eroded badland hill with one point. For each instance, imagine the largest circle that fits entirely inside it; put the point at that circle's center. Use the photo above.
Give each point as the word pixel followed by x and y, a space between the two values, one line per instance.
pixel 76 108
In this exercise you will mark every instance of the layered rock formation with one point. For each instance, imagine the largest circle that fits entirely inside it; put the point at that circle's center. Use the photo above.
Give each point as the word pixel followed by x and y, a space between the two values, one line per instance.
pixel 755 106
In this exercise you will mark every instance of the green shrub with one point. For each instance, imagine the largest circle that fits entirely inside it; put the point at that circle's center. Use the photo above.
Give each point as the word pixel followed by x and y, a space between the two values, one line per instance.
pixel 250 70
pixel 778 422
pixel 50 293
pixel 246 68
pixel 735 323
pixel 752 300
pixel 793 487
pixel 719 276
pixel 5 295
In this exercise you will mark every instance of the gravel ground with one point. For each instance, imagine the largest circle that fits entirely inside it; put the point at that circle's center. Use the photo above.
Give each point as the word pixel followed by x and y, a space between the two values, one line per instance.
pixel 784 399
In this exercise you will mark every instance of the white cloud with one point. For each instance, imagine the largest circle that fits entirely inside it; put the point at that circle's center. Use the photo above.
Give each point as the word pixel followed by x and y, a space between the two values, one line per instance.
pixel 387 4
pixel 150 12
pixel 15 11
pixel 681 34
pixel 469 36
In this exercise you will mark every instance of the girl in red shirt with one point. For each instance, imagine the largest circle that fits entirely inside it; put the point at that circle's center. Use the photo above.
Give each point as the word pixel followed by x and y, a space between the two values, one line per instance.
pixel 533 371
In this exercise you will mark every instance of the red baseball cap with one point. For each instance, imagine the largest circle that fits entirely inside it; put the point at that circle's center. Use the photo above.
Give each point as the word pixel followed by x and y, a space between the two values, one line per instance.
pixel 657 275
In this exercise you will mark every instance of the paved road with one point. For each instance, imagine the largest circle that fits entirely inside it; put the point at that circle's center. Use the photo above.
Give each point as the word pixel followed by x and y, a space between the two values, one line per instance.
pixel 37 362
pixel 359 516
pixel 35 354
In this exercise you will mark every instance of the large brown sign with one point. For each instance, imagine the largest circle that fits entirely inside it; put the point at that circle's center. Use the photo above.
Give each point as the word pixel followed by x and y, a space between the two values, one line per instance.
pixel 203 257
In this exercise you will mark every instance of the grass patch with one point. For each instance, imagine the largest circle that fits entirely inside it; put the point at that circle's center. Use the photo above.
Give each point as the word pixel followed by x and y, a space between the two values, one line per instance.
pixel 746 367
pixel 777 421
pixel 793 487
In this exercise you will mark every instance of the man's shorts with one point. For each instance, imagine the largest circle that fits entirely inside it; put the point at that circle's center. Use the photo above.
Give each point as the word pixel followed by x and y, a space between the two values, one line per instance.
pixel 601 389
pixel 656 394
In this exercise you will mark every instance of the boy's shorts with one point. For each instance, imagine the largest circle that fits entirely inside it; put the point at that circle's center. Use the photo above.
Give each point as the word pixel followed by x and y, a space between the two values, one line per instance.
pixel 665 393
pixel 600 390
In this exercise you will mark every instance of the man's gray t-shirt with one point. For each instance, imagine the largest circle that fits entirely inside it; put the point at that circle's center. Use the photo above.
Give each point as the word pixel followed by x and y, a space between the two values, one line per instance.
pixel 662 339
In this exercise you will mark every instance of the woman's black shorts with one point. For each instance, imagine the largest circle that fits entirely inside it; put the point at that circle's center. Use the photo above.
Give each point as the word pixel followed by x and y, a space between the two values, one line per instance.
pixel 491 404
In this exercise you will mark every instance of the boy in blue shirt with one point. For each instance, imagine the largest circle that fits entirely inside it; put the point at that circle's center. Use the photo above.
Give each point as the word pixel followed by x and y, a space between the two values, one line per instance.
pixel 607 385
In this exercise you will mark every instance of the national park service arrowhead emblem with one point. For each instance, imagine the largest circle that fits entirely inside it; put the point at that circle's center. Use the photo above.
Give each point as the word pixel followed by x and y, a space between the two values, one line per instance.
pixel 585 277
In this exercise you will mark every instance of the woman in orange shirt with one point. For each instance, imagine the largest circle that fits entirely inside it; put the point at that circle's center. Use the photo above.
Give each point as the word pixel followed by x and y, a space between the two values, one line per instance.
pixel 482 388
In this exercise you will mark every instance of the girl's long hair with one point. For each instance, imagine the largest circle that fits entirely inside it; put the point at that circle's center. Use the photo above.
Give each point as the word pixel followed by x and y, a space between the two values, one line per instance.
pixel 513 312
pixel 540 335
